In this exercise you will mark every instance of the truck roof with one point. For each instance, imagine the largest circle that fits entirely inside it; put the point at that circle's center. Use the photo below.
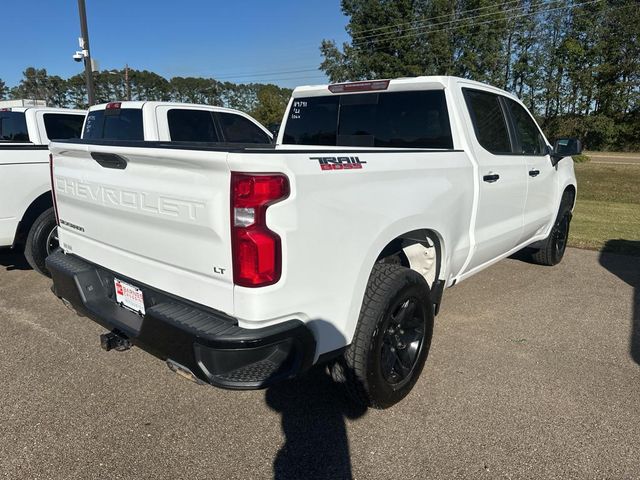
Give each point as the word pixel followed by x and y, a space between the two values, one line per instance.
pixel 435 82
pixel 43 109
pixel 134 104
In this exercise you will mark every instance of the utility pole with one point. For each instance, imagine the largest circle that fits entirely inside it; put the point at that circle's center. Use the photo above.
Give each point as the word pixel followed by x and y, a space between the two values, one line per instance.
pixel 88 73
pixel 126 80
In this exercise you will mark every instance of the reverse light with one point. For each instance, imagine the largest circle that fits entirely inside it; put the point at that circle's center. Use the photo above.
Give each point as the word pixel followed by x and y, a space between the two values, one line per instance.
pixel 359 86
pixel 257 253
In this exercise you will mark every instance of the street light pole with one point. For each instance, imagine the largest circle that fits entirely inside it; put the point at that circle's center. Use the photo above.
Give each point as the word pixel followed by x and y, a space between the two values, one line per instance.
pixel 85 50
pixel 126 80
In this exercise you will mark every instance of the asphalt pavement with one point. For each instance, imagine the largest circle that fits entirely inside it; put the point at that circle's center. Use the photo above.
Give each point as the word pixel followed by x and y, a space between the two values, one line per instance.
pixel 534 373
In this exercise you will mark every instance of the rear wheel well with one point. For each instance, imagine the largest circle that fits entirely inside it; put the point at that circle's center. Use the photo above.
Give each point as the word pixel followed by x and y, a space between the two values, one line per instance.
pixel 420 250
pixel 39 205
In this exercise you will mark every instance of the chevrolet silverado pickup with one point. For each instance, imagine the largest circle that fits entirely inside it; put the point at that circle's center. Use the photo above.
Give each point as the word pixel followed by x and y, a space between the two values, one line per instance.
pixel 170 121
pixel 27 219
pixel 243 265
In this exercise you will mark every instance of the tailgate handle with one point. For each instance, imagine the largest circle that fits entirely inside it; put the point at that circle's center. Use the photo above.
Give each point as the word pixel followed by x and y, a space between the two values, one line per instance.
pixel 110 160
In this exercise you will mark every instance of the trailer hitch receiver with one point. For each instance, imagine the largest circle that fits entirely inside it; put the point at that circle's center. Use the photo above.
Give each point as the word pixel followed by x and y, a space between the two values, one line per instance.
pixel 114 341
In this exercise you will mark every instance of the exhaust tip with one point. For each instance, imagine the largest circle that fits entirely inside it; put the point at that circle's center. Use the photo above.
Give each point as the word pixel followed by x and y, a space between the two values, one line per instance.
pixel 183 371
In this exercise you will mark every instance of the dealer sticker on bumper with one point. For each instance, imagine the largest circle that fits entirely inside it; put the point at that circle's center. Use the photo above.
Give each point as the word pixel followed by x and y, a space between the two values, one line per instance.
pixel 129 296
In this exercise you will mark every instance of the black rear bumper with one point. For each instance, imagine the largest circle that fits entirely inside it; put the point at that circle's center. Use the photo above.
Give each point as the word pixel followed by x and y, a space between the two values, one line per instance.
pixel 208 343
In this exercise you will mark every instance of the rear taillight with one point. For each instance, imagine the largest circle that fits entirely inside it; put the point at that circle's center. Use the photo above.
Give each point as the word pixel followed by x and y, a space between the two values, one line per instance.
pixel 53 188
pixel 257 253
pixel 113 105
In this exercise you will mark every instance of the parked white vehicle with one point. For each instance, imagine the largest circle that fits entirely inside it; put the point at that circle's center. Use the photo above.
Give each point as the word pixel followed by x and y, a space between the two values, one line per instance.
pixel 243 266
pixel 170 121
pixel 27 219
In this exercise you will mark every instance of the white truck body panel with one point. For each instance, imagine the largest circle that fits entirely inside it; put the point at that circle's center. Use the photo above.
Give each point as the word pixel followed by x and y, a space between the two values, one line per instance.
pixel 24 170
pixel 333 226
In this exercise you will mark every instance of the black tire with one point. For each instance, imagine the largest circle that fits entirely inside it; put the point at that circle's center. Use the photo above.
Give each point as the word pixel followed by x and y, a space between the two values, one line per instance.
pixel 392 338
pixel 555 245
pixel 41 241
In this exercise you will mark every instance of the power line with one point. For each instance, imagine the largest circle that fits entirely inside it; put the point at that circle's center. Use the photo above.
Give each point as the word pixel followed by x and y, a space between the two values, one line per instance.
pixel 262 74
pixel 415 22
pixel 460 20
pixel 315 77
pixel 474 24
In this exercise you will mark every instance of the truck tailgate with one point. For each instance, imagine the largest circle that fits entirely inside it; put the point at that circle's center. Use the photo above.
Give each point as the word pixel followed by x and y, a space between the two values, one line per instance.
pixel 157 215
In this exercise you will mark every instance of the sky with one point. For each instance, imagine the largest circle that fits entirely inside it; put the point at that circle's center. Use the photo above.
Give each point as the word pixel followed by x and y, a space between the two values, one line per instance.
pixel 267 41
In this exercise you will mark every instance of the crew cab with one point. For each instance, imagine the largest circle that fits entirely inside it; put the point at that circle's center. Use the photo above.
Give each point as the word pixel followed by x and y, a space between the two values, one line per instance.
pixel 244 265
pixel 27 219
pixel 170 121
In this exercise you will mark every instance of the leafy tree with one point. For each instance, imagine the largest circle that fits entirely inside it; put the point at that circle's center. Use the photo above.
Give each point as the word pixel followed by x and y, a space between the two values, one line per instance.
pixel 77 92
pixel 195 90
pixel 575 64
pixel 4 90
pixel 36 84
pixel 147 85
pixel 272 102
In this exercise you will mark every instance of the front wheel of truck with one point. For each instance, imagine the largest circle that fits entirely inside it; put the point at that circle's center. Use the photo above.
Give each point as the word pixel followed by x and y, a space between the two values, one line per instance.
pixel 554 246
pixel 392 339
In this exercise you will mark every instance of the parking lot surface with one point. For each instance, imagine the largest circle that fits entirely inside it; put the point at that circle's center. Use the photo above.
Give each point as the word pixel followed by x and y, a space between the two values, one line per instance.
pixel 534 373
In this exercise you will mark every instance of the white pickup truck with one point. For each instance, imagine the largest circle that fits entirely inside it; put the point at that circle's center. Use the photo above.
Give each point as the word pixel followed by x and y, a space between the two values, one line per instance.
pixel 242 266
pixel 169 121
pixel 27 220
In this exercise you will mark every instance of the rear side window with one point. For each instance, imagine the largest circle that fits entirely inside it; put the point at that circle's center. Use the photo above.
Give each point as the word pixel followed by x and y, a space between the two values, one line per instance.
pixel 529 138
pixel 393 119
pixel 13 127
pixel 191 126
pixel 488 120
pixel 61 125
pixel 114 124
pixel 237 129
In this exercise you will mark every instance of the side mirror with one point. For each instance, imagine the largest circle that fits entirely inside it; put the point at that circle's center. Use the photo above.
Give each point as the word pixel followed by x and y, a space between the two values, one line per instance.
pixel 565 147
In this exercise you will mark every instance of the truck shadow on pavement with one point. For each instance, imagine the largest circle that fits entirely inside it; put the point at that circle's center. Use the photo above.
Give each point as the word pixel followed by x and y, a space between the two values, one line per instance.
pixel 627 269
pixel 12 260
pixel 314 410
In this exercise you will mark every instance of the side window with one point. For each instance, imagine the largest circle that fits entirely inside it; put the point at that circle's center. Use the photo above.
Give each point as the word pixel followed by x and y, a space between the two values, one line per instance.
pixel 530 139
pixel 13 127
pixel 312 121
pixel 191 126
pixel 488 120
pixel 238 129
pixel 61 125
pixel 114 124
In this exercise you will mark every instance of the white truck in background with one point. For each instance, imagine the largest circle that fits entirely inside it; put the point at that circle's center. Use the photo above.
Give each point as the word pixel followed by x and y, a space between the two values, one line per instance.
pixel 244 265
pixel 170 121
pixel 27 219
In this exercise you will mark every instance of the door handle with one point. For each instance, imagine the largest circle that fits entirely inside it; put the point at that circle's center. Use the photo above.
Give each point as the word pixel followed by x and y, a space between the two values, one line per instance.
pixel 534 173
pixel 491 177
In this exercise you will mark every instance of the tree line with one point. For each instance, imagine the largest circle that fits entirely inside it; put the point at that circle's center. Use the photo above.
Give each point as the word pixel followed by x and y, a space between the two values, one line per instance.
pixel 575 63
pixel 266 102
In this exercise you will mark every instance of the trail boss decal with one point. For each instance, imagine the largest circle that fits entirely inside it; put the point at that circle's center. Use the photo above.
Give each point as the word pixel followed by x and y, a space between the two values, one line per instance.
pixel 338 163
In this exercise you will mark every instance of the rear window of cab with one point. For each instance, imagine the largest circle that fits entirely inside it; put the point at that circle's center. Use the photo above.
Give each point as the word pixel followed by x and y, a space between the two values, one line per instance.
pixel 412 119
pixel 114 124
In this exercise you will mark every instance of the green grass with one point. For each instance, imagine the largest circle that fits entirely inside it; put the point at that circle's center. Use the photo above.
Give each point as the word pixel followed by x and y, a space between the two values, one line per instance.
pixel 582 158
pixel 607 213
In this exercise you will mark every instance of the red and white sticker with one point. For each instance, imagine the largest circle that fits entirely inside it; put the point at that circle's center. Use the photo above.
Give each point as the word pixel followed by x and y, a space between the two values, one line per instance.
pixel 129 296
